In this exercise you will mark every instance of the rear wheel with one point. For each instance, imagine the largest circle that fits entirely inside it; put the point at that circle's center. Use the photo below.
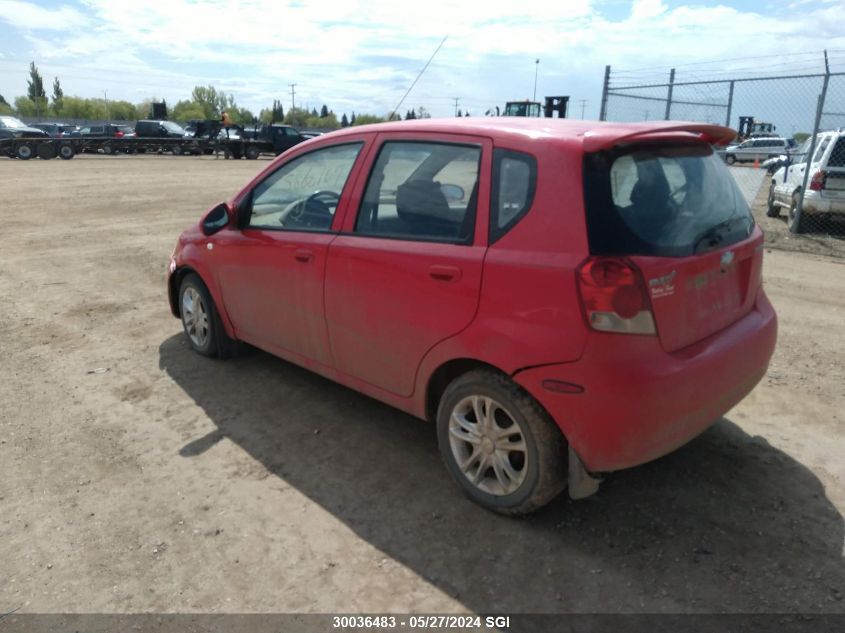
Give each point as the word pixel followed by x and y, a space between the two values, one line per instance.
pixel 252 153
pixel 108 149
pixel 772 209
pixel 499 445
pixel 201 320
pixel 730 159
pixel 66 152
pixel 796 224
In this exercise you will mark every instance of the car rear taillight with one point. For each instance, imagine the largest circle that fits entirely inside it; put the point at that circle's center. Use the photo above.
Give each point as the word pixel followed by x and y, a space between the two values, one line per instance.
pixel 118 134
pixel 614 297
pixel 817 181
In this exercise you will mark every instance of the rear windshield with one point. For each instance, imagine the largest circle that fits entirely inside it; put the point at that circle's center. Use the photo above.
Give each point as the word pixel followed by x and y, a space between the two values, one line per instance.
pixel 664 200
pixel 837 156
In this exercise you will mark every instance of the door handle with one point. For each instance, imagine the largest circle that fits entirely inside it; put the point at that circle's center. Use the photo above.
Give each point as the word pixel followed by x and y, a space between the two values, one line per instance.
pixel 303 255
pixel 444 273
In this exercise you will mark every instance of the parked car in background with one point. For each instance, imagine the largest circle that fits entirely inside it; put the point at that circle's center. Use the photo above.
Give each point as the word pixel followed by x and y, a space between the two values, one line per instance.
pixel 825 193
pixel 57 130
pixel 561 298
pixel 158 129
pixel 106 131
pixel 11 127
pixel 758 149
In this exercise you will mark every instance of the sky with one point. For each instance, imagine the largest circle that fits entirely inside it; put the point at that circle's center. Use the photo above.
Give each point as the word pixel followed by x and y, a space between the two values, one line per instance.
pixel 362 56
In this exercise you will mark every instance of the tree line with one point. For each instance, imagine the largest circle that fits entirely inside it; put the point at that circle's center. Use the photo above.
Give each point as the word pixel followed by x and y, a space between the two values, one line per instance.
pixel 206 102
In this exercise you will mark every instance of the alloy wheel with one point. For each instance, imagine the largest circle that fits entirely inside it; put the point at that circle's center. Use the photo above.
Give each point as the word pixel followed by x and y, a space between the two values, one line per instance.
pixel 488 445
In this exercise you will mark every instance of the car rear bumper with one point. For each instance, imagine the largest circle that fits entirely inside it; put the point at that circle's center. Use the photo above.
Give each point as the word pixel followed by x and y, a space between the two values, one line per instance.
pixel 640 403
pixel 815 203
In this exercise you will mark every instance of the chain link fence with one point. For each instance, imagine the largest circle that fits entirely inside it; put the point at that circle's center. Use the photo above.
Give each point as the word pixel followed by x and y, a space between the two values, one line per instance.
pixel 789 113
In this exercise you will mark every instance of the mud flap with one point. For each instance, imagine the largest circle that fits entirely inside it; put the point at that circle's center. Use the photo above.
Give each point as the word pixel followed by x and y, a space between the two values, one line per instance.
pixel 581 483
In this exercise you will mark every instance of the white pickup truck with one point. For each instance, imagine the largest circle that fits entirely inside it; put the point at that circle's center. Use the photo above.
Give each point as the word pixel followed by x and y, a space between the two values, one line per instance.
pixel 825 192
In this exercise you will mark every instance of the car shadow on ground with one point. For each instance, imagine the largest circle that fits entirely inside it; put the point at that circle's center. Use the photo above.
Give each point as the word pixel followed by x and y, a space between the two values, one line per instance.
pixel 726 524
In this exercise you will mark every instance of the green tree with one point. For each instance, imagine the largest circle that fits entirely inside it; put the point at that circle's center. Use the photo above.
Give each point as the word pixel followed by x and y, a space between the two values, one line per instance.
pixel 297 117
pixel 122 111
pixel 364 119
pixel 58 95
pixel 209 100
pixel 25 106
pixel 5 108
pixel 186 110
pixel 3 101
pixel 344 122
pixel 35 90
pixel 352 120
pixel 324 112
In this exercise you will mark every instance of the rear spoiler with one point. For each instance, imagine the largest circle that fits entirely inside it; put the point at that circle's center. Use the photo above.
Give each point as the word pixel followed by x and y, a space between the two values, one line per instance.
pixel 611 136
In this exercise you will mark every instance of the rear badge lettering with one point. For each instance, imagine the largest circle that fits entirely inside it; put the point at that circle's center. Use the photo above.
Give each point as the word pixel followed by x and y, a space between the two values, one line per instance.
pixel 662 286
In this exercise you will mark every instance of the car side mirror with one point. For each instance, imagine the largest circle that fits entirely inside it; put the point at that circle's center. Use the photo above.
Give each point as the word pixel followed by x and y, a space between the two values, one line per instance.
pixel 216 219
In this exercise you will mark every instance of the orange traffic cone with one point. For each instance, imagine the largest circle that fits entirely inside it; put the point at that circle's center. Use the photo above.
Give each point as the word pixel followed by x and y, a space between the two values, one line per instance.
pixel 756 163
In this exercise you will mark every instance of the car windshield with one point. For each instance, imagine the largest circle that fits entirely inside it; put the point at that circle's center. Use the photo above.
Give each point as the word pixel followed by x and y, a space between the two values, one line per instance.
pixel 170 126
pixel 12 122
pixel 664 200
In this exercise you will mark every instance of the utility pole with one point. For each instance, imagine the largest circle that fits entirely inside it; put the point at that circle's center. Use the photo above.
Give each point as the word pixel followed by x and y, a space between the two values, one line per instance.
pixel 292 93
pixel 456 105
pixel 583 103
pixel 106 100
pixel 536 70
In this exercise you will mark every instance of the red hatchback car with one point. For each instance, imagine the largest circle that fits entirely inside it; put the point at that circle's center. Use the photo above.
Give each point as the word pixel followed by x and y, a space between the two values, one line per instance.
pixel 562 298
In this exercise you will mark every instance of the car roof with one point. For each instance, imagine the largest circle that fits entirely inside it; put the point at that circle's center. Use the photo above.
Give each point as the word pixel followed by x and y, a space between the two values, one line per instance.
pixel 591 135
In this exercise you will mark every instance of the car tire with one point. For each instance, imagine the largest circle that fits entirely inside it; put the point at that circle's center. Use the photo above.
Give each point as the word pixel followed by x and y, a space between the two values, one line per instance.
pixel 24 151
pixel 252 153
pixel 177 150
pixel 201 321
pixel 506 480
pixel 66 151
pixel 46 150
pixel 772 210
pixel 796 224
pixel 108 149
pixel 730 159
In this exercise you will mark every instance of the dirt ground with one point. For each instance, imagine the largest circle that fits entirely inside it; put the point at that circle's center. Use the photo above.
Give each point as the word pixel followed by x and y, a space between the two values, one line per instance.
pixel 137 476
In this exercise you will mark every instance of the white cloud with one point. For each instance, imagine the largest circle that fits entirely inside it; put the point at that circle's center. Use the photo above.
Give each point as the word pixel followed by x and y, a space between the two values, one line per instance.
pixel 362 55
pixel 25 15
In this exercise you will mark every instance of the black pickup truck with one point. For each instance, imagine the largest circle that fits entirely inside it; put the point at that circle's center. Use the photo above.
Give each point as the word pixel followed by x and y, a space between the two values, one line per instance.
pixel 252 141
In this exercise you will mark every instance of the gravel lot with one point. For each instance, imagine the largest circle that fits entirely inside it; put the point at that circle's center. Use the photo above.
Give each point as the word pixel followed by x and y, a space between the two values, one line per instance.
pixel 136 476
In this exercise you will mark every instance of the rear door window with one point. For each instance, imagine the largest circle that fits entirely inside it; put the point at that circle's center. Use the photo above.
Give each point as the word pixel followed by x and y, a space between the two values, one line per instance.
pixel 665 200
pixel 422 191
pixel 820 151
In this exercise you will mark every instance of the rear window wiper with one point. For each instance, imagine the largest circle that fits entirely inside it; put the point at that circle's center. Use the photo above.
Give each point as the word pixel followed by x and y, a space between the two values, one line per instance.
pixel 714 235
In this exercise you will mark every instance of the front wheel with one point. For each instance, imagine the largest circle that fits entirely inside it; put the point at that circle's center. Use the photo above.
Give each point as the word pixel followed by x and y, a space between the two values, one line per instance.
pixel 498 444
pixel 730 159
pixel 201 321
pixel 24 151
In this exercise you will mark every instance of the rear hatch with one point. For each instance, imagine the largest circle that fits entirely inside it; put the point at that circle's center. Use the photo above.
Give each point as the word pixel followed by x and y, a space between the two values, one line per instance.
pixel 674 211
